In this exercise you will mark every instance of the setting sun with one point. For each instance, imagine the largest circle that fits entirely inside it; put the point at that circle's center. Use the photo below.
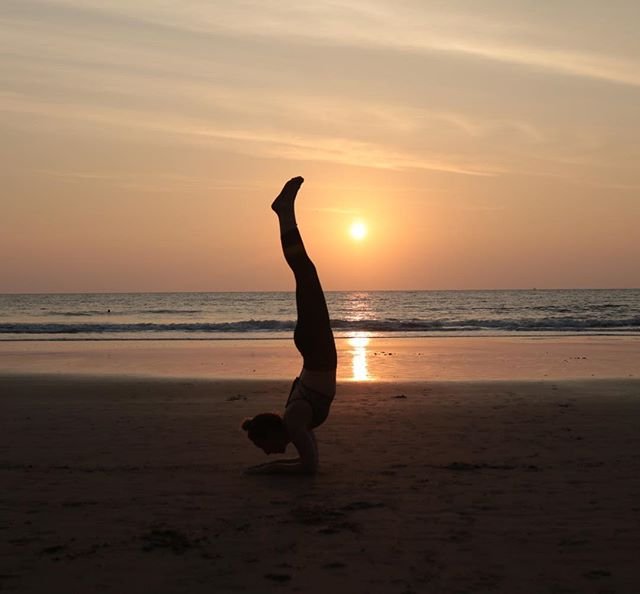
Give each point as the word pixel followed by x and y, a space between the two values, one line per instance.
pixel 358 230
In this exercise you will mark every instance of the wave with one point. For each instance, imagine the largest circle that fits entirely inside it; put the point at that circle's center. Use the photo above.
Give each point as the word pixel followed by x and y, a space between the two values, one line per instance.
pixel 557 324
pixel 391 325
pixel 170 311
pixel 93 328
pixel 90 313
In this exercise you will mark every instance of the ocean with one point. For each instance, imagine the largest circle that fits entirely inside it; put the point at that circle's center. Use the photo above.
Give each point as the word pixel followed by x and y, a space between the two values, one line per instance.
pixel 271 315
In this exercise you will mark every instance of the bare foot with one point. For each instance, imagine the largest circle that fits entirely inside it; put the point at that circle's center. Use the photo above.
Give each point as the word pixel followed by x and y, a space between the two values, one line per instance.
pixel 288 194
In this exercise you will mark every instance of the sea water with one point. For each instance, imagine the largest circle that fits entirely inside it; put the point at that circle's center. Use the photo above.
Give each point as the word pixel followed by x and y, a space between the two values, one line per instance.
pixel 272 315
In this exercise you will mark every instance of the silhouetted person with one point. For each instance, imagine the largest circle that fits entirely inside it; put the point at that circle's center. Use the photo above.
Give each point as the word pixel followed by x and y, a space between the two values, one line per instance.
pixel 313 391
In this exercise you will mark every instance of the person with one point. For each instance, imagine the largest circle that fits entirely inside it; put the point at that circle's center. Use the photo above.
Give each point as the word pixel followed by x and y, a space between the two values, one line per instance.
pixel 313 390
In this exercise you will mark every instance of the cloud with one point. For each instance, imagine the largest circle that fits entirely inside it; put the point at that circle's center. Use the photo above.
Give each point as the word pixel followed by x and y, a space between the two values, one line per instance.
pixel 332 82
pixel 266 142
pixel 569 62
pixel 154 182
pixel 415 27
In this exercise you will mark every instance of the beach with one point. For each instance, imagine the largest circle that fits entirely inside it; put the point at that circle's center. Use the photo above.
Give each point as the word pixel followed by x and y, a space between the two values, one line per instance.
pixel 198 196
pixel 123 483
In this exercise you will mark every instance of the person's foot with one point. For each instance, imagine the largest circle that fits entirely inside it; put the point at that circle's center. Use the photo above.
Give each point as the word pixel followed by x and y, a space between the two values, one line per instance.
pixel 288 194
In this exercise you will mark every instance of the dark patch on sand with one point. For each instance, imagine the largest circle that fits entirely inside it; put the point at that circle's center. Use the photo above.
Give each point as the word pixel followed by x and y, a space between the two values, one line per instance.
pixel 278 577
pixel 172 540
pixel 468 466
pixel 596 574
pixel 334 565
pixel 358 505
pixel 52 550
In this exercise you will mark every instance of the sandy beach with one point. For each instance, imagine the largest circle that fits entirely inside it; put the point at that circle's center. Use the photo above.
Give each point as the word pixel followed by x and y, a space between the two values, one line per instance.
pixel 439 201
pixel 125 484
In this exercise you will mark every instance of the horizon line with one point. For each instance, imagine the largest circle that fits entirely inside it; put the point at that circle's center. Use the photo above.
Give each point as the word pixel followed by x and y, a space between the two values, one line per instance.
pixel 186 292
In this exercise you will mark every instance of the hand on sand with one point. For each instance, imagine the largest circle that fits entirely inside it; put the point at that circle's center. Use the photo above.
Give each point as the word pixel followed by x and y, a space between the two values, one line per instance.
pixel 258 469
pixel 275 467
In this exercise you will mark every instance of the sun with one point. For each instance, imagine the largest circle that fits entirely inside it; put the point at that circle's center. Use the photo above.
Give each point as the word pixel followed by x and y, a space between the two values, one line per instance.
pixel 358 230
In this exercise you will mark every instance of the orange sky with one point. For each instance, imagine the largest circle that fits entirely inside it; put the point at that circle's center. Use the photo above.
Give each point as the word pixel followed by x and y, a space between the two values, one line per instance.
pixel 141 143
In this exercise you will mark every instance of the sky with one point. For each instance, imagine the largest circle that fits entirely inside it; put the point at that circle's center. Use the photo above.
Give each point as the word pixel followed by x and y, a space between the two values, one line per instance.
pixel 484 145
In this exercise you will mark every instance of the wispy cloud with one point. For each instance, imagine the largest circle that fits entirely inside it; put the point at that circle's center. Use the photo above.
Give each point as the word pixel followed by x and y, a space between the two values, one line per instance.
pixel 235 76
pixel 571 62
pixel 270 143
pixel 418 27
pixel 155 182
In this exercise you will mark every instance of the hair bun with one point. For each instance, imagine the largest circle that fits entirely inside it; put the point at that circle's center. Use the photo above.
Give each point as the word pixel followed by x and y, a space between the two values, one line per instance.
pixel 246 424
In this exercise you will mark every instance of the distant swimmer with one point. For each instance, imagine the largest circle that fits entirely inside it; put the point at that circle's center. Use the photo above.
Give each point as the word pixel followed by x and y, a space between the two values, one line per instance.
pixel 313 390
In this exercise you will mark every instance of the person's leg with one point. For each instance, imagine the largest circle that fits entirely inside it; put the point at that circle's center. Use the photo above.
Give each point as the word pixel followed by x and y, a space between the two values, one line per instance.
pixel 313 336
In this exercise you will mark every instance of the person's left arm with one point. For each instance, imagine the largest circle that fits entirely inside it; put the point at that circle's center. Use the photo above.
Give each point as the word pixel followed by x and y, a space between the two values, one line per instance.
pixel 305 442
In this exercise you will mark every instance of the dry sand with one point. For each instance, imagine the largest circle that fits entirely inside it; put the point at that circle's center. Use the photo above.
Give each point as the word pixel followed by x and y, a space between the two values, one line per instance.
pixel 135 485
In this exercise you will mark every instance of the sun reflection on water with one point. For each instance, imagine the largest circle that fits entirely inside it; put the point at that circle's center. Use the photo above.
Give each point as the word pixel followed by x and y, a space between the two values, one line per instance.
pixel 359 363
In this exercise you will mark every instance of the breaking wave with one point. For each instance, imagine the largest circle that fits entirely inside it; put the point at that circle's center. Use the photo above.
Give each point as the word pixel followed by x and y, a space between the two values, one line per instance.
pixel 386 325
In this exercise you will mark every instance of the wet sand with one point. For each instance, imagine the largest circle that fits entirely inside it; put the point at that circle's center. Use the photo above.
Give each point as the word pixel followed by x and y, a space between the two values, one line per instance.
pixel 361 358
pixel 114 484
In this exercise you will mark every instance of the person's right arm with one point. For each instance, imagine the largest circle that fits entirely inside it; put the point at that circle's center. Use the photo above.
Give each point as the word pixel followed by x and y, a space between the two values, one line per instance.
pixel 296 420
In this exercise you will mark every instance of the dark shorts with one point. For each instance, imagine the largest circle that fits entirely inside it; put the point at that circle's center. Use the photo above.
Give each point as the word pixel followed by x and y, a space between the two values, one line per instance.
pixel 319 402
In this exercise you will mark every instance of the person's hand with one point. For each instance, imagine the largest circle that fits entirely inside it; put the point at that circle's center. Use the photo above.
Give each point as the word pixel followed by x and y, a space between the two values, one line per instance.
pixel 258 469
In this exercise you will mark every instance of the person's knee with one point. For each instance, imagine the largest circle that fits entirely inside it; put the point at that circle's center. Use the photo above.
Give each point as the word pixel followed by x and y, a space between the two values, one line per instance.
pixel 306 271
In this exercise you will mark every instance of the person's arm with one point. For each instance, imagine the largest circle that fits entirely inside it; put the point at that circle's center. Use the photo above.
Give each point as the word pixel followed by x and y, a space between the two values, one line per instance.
pixel 262 468
pixel 305 442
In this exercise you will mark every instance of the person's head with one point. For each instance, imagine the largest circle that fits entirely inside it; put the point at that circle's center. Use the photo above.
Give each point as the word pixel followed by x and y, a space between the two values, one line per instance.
pixel 267 432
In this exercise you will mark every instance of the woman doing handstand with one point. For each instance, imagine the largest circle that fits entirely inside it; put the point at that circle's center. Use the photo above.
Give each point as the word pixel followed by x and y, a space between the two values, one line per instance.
pixel 313 390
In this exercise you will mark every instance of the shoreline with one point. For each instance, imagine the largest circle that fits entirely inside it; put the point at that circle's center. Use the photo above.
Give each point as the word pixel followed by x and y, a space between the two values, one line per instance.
pixel 361 358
